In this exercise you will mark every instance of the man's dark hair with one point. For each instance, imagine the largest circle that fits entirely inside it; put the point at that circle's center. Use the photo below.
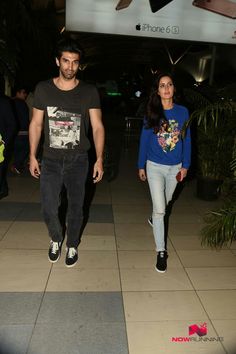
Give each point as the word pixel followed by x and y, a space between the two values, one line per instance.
pixel 18 88
pixel 67 44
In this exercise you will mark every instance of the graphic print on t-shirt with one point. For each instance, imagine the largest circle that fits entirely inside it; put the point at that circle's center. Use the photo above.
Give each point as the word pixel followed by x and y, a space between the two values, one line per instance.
pixel 168 134
pixel 64 128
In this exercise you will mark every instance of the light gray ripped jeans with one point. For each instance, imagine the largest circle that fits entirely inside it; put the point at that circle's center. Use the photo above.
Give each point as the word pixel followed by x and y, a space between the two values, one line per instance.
pixel 162 183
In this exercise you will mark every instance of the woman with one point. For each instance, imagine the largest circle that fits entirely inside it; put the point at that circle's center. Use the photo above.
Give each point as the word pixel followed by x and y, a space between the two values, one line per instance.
pixel 164 156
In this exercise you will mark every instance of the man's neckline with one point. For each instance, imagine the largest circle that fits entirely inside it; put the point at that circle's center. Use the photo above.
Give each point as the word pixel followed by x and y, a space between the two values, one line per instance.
pixel 60 87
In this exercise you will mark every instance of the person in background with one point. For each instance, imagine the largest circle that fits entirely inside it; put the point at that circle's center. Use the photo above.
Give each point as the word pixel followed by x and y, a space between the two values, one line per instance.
pixel 8 128
pixel 65 105
pixel 164 156
pixel 30 101
pixel 21 145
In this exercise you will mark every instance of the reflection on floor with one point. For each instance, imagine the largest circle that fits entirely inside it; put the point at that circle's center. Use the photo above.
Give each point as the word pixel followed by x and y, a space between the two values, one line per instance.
pixel 113 301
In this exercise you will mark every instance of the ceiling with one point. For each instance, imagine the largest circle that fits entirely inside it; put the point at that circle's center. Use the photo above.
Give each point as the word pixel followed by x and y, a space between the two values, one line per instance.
pixel 114 55
pixel 123 51
pixel 107 55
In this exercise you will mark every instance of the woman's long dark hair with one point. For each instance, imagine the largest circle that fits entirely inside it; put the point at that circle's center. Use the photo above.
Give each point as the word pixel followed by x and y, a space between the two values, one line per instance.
pixel 154 113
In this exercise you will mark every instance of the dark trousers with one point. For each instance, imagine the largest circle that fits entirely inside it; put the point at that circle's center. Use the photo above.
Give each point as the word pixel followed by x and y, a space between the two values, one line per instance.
pixel 3 180
pixel 70 172
pixel 21 151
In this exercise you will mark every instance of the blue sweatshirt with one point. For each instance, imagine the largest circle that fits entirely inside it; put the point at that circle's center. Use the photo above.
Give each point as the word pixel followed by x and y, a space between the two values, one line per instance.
pixel 167 147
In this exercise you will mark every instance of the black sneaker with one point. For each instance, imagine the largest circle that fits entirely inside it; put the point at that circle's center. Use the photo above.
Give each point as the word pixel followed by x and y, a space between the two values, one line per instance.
pixel 150 221
pixel 71 256
pixel 54 251
pixel 161 261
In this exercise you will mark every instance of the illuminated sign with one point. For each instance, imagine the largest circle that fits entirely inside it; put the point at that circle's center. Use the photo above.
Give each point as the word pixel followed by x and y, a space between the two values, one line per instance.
pixel 211 21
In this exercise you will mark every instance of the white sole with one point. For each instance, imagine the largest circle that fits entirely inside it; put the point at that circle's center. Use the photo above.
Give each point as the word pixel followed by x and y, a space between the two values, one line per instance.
pixel 160 271
pixel 71 266
pixel 53 261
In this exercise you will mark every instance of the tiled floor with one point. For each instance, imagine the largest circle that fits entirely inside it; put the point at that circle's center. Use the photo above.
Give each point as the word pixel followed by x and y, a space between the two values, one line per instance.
pixel 113 301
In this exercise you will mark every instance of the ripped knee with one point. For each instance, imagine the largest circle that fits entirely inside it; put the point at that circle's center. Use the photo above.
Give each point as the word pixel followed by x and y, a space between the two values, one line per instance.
pixel 158 215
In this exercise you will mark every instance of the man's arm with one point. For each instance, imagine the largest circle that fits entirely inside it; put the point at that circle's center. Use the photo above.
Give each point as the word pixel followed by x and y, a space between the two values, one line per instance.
pixel 35 130
pixel 99 139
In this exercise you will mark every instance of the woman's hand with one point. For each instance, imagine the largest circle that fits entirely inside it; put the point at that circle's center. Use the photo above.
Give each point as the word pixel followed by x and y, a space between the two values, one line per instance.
pixel 142 174
pixel 183 172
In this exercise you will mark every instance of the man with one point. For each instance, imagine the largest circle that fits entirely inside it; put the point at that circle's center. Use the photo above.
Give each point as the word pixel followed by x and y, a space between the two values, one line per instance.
pixel 21 144
pixel 8 129
pixel 63 104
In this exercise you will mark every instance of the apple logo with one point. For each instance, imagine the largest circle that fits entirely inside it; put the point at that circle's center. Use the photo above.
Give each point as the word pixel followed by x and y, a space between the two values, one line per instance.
pixel 138 27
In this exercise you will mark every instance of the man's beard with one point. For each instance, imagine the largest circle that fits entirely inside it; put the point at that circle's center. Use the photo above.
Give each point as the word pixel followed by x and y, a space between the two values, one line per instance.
pixel 68 75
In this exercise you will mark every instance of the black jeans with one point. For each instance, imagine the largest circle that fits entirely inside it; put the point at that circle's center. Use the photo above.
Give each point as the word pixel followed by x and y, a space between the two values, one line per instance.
pixel 21 151
pixel 70 172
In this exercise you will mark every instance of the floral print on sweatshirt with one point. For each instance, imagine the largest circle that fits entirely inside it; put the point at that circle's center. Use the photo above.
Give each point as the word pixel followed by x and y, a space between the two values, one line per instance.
pixel 168 135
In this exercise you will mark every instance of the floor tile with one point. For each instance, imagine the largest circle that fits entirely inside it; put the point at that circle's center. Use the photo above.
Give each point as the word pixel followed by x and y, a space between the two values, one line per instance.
pixel 23 270
pixel 135 237
pixel 14 339
pixel 156 337
pixel 162 306
pixel 10 210
pixel 151 280
pixel 76 279
pixel 134 229
pixel 30 212
pixel 130 196
pixel 66 307
pixel 130 213
pixel 189 218
pixel 226 329
pixel 104 243
pixel 114 291
pixel 102 188
pixel 101 213
pixel 129 186
pixel 35 196
pixel 101 197
pixel 180 208
pixel 93 229
pixel 219 304
pixel 26 235
pixel 207 258
pixel 120 199
pixel 203 206
pixel 185 229
pixel 135 243
pixel 233 245
pixel 190 242
pixel 19 308
pixel 88 338
pixel 21 187
pixel 98 259
pixel 213 278
pixel 4 227
pixel 144 259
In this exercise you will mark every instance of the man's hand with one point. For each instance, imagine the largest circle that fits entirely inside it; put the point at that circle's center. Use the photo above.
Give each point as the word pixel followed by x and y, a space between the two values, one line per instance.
pixel 98 171
pixel 34 167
